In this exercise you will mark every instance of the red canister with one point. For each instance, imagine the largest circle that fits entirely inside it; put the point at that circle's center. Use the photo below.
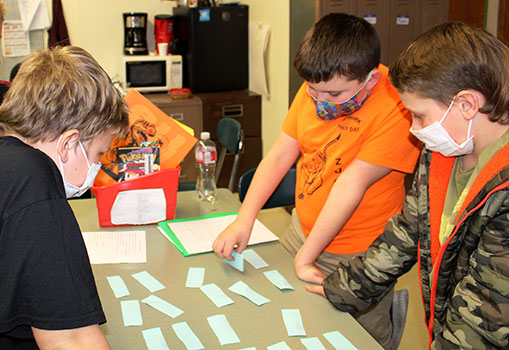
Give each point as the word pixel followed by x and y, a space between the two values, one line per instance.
pixel 163 30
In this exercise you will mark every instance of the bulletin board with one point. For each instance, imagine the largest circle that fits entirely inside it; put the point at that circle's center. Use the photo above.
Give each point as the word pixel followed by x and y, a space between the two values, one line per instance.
pixel 37 41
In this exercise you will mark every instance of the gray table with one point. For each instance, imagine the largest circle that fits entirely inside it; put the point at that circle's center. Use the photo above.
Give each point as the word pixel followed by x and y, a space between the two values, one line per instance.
pixel 258 326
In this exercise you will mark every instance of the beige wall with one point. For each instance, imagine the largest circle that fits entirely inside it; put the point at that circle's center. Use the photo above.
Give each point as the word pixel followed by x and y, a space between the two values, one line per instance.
pixel 276 13
pixel 96 25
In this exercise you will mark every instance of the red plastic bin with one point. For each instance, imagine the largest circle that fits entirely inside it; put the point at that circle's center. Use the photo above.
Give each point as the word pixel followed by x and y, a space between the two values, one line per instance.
pixel 167 179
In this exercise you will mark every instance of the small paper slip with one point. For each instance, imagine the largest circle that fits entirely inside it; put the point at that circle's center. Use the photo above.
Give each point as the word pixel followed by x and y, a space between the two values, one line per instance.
pixel 148 281
pixel 187 336
pixel 254 259
pixel 154 339
pixel 338 341
pixel 196 235
pixel 118 286
pixel 163 306
pixel 293 322
pixel 243 289
pixel 277 279
pixel 195 276
pixel 131 313
pixel 224 332
pixel 312 344
pixel 115 247
pixel 237 262
pixel 279 346
pixel 216 295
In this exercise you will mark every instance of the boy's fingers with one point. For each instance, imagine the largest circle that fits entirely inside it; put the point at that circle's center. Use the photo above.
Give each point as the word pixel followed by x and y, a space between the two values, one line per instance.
pixel 315 289
pixel 218 247
pixel 227 251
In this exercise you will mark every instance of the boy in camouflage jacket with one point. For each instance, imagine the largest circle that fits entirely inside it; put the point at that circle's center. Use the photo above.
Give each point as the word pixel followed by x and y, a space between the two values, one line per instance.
pixel 455 220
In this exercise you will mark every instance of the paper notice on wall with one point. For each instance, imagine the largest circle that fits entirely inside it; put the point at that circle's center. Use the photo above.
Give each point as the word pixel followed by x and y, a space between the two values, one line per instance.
pixel 259 35
pixel 34 14
pixel 139 207
pixel 15 41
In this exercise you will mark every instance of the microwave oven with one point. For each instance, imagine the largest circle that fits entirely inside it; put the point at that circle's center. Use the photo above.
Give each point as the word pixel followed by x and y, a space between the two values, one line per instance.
pixel 151 73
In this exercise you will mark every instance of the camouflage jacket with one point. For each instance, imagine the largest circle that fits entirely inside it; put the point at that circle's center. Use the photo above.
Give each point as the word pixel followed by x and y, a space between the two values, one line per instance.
pixel 467 302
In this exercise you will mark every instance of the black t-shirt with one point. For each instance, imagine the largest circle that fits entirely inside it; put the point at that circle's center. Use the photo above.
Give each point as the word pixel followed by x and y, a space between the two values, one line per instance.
pixel 45 276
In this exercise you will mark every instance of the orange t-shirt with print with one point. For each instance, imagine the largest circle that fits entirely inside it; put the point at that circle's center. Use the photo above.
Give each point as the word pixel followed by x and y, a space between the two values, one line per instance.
pixel 378 133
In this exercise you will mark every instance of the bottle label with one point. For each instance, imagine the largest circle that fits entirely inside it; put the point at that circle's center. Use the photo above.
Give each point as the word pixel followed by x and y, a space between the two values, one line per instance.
pixel 205 156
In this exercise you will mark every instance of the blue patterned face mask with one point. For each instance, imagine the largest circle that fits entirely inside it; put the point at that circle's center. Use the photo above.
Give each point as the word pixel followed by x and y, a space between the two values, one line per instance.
pixel 329 111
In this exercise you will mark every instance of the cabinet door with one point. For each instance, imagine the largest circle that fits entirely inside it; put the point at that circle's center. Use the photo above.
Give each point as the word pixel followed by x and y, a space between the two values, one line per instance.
pixel 242 105
pixel 189 112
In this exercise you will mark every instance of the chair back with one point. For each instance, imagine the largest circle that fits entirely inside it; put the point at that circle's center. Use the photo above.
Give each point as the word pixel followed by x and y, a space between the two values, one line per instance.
pixel 230 135
pixel 283 195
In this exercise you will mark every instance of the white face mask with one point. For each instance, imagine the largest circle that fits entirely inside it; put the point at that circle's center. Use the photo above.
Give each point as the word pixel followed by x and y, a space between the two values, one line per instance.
pixel 75 191
pixel 437 139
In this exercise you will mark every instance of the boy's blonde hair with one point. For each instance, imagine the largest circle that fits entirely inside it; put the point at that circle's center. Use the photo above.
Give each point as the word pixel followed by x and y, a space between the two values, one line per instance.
pixel 452 57
pixel 59 89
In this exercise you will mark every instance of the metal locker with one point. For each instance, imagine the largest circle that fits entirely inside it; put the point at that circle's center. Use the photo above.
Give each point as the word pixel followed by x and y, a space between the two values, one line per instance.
pixel 433 12
pixel 376 13
pixel 402 26
pixel 324 7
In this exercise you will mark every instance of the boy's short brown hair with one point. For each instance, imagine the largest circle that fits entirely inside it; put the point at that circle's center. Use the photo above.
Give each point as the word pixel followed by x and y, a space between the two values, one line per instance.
pixel 338 44
pixel 452 57
pixel 59 89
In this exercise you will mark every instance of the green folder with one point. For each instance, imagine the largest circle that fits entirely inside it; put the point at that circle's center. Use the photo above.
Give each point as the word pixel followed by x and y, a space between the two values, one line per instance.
pixel 206 233
pixel 172 237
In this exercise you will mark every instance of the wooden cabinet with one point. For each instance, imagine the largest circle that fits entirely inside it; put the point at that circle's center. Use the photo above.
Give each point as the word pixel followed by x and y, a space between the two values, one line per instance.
pixel 189 112
pixel 244 106
pixel 203 111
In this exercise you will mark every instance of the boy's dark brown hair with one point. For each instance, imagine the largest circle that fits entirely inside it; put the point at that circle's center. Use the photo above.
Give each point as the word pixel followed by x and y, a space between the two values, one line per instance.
pixel 338 44
pixel 452 57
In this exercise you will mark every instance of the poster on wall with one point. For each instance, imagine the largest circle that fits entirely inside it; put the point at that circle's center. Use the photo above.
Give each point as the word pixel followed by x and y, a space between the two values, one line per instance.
pixel 15 40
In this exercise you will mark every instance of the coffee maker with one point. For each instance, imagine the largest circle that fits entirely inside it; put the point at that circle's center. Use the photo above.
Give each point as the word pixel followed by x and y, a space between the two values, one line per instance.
pixel 135 33
pixel 163 30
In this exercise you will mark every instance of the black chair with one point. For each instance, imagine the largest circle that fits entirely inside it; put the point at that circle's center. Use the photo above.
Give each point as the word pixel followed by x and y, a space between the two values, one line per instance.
pixel 230 135
pixel 283 195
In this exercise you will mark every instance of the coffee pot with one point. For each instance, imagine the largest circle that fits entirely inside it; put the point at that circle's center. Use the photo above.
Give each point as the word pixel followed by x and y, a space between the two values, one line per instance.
pixel 135 33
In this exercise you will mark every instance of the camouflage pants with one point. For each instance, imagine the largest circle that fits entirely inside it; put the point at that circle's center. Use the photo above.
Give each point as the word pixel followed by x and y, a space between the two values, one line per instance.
pixel 377 320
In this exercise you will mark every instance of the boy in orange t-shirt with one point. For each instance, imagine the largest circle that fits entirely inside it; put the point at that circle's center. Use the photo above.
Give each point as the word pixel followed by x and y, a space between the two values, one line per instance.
pixel 353 133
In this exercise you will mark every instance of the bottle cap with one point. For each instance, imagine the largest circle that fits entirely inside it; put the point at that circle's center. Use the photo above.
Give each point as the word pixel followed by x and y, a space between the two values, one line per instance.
pixel 205 135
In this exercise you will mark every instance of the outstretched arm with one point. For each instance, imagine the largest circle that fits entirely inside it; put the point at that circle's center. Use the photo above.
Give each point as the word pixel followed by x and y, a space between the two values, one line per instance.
pixel 345 196
pixel 268 175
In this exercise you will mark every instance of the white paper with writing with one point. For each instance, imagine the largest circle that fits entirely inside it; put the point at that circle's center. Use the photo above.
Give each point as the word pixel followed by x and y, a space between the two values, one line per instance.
pixel 138 207
pixel 109 247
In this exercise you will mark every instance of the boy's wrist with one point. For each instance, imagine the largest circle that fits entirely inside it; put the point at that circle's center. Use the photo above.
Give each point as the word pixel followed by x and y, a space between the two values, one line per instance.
pixel 303 258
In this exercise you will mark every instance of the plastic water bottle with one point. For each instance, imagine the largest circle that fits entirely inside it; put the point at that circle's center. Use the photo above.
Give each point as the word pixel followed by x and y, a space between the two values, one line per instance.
pixel 205 156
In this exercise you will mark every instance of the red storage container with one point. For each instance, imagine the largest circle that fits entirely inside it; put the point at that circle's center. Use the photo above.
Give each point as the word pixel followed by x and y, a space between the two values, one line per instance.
pixel 167 179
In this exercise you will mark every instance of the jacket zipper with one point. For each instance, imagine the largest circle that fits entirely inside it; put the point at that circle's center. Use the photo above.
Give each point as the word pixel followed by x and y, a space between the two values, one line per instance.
pixel 436 267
